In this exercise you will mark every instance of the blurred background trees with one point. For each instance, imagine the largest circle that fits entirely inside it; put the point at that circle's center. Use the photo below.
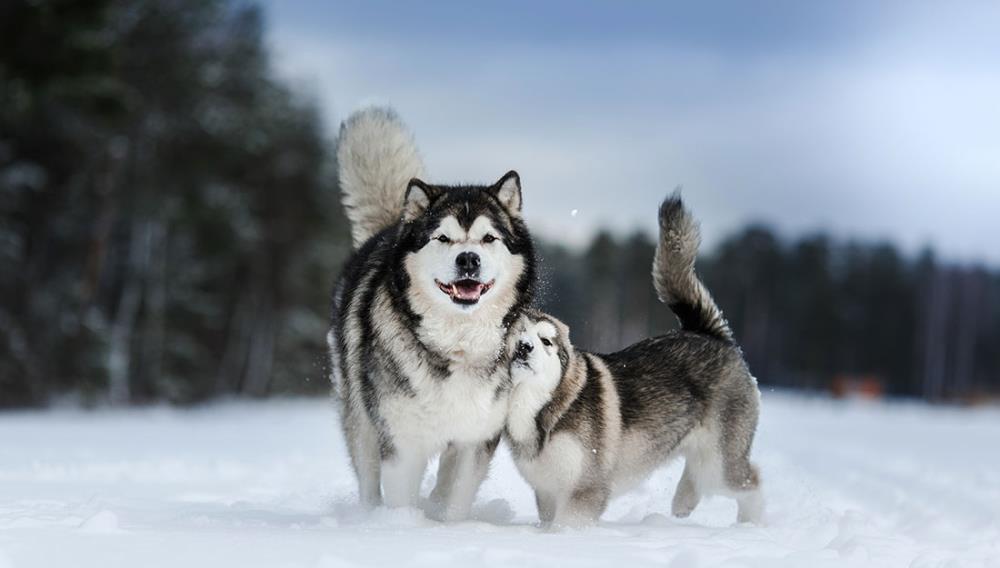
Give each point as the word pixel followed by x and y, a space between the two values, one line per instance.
pixel 170 229
pixel 808 313
pixel 166 206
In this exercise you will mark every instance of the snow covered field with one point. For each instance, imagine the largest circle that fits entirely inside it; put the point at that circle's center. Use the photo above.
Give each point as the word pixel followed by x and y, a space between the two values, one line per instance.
pixel 268 484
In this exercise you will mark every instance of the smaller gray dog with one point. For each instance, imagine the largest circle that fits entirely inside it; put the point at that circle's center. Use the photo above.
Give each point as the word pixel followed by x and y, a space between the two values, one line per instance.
pixel 584 427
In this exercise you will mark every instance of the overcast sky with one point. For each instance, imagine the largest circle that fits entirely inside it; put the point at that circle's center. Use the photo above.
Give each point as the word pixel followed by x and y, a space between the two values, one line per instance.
pixel 873 120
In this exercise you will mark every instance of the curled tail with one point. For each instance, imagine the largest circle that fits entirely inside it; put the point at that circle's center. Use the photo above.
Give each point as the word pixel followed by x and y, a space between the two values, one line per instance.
pixel 674 277
pixel 376 158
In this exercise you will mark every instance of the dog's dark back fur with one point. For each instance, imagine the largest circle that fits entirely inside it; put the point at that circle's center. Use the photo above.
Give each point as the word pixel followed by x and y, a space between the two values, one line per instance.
pixel 665 383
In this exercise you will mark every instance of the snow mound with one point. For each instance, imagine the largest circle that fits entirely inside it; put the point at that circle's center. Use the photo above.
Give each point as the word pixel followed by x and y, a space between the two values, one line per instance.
pixel 102 522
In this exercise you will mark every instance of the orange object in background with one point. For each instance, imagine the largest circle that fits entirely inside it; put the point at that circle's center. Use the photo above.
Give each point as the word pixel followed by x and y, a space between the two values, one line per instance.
pixel 857 386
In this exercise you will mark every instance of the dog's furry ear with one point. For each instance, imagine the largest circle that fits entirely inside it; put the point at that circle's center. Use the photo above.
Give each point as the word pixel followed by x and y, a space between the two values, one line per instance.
pixel 419 196
pixel 508 192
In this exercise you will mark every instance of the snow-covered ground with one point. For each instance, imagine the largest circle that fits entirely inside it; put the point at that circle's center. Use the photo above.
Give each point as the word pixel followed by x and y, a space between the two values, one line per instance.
pixel 268 484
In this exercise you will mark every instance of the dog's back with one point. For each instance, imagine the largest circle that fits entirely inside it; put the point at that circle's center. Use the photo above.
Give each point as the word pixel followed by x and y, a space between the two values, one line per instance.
pixel 667 383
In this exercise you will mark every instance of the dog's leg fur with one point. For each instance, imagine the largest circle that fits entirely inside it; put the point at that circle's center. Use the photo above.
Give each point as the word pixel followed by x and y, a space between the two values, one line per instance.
pixel 741 476
pixel 447 464
pixel 750 506
pixel 401 476
pixel 546 508
pixel 471 463
pixel 585 506
pixel 363 447
pixel 686 497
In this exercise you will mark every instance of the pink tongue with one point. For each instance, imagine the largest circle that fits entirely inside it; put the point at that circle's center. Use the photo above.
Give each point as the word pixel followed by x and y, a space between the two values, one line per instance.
pixel 468 291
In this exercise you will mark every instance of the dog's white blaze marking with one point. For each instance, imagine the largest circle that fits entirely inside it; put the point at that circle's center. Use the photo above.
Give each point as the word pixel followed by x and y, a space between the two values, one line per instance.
pixel 480 228
pixel 450 228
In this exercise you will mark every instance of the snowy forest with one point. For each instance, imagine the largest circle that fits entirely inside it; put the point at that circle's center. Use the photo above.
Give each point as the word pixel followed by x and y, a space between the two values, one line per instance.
pixel 170 231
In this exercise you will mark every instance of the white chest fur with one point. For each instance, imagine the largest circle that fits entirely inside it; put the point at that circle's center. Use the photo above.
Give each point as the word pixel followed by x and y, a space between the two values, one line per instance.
pixel 467 339
pixel 464 407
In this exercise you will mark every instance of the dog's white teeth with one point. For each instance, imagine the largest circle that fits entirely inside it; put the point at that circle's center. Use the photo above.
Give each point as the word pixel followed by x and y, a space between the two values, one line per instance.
pixel 454 289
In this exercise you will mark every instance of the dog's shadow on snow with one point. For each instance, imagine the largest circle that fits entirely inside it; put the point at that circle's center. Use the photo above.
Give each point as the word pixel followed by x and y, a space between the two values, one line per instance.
pixel 496 512
pixel 346 511
pixel 336 513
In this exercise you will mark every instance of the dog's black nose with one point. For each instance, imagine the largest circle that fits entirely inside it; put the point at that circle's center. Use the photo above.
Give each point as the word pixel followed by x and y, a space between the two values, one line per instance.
pixel 467 262
pixel 522 350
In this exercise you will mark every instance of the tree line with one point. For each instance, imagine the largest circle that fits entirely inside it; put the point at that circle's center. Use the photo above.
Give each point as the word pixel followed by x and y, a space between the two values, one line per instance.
pixel 806 312
pixel 170 229
pixel 168 221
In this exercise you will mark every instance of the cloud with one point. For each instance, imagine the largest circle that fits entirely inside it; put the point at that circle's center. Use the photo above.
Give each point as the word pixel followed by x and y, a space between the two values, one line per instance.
pixel 883 137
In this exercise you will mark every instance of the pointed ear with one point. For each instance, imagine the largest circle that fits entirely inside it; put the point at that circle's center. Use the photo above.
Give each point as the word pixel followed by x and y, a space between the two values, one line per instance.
pixel 508 192
pixel 418 198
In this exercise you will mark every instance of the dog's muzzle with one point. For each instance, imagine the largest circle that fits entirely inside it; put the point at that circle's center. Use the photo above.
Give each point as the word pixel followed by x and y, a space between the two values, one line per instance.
pixel 522 350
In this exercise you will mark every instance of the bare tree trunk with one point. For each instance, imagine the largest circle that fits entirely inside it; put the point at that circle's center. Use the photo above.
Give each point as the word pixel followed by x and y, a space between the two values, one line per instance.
pixel 756 329
pixel 238 334
pixel 106 183
pixel 935 339
pixel 155 307
pixel 260 360
pixel 970 302
pixel 120 350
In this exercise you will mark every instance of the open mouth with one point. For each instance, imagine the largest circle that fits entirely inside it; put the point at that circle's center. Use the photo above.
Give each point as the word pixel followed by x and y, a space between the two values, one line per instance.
pixel 465 291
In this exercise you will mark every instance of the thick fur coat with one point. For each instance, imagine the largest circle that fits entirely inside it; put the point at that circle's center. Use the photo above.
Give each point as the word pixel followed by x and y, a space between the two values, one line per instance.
pixel 584 426
pixel 421 317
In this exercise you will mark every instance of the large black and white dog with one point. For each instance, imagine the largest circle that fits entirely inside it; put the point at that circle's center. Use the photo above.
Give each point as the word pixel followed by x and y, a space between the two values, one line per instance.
pixel 421 317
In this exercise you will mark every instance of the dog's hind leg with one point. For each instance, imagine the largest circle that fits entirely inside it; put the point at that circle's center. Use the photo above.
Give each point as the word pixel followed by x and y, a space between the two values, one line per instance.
pixel 447 465
pixel 546 503
pixel 741 477
pixel 471 464
pixel 364 448
pixel 686 497
pixel 750 505
pixel 585 506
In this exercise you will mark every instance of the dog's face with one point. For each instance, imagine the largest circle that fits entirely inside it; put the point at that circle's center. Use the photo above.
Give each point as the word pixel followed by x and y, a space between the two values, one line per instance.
pixel 540 350
pixel 467 246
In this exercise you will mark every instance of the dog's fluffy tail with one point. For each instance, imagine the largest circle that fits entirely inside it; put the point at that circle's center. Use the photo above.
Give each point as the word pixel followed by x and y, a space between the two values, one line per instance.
pixel 674 277
pixel 376 158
